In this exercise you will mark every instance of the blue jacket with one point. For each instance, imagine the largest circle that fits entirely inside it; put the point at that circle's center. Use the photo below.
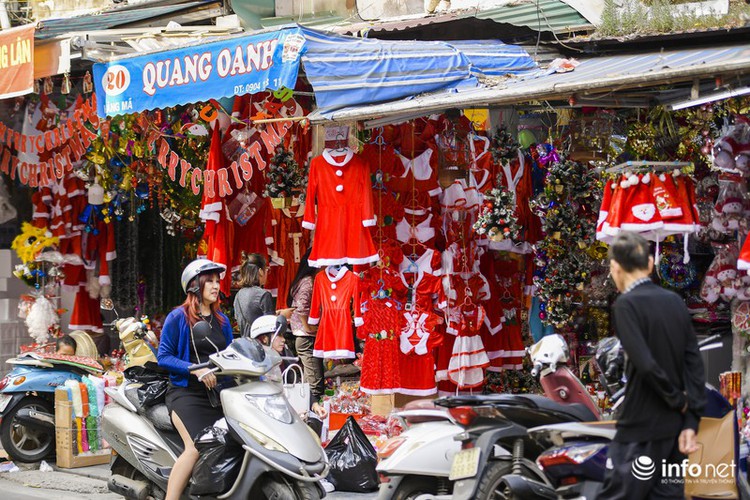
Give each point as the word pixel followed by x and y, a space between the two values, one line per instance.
pixel 174 345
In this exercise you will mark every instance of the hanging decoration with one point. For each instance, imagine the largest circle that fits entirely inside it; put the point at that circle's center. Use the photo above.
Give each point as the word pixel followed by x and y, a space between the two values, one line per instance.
pixel 284 177
pixel 497 218
pixel 504 145
pixel 568 220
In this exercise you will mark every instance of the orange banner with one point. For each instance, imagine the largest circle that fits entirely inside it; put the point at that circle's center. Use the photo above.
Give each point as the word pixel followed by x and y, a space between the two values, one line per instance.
pixel 17 61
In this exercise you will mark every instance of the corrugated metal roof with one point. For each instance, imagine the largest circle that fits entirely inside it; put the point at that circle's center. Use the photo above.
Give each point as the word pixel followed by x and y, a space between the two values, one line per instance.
pixel 594 74
pixel 553 15
pixel 50 28
pixel 320 20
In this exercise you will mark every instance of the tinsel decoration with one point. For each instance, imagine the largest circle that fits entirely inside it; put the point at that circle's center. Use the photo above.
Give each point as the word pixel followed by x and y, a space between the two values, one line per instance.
pixel 504 145
pixel 674 273
pixel 283 175
pixel 569 222
pixel 497 218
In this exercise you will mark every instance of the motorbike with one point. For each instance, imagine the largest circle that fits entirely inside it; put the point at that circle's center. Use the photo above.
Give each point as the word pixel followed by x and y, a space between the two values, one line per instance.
pixel 496 444
pixel 27 405
pixel 574 462
pixel 281 457
pixel 418 461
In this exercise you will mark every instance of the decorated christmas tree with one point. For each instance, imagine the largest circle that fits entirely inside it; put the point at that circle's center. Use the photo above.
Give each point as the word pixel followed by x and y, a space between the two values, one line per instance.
pixel 284 177
pixel 497 218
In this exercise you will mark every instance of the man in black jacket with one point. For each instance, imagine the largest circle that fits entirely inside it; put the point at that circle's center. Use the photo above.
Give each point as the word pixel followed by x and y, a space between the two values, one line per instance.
pixel 664 395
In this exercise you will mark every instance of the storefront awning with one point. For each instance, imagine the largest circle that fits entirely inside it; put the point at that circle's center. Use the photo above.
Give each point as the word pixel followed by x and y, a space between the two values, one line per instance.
pixel 345 70
pixel 592 75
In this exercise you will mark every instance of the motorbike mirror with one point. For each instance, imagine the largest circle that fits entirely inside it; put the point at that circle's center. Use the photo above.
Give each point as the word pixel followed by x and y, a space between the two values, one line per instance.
pixel 201 332
pixel 281 325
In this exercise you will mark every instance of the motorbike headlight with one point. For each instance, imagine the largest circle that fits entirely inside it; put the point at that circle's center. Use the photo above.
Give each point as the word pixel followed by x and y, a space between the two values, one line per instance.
pixel 274 406
pixel 265 441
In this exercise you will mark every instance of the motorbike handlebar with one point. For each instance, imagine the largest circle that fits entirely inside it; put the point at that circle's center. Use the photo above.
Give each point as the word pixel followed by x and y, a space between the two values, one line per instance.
pixel 199 366
pixel 537 368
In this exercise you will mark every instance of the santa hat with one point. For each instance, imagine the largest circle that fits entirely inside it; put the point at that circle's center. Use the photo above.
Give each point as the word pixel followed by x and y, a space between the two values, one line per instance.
pixel 640 213
pixel 743 262
pixel 604 211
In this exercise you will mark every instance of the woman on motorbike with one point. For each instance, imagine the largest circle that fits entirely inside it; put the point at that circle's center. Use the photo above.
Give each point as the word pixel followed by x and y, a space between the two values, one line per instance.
pixel 192 398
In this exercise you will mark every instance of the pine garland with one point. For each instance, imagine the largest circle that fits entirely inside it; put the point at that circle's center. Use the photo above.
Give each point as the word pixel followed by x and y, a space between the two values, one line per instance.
pixel 504 145
pixel 569 224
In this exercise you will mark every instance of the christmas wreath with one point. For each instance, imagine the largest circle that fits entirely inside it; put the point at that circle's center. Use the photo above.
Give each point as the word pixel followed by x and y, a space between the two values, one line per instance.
pixel 284 177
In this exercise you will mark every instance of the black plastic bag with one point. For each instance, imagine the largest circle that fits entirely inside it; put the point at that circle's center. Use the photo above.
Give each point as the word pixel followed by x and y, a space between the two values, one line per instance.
pixel 219 463
pixel 154 388
pixel 352 459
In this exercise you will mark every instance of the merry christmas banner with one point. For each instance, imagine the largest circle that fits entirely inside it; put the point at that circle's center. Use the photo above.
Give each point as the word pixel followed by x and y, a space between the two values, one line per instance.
pixel 243 65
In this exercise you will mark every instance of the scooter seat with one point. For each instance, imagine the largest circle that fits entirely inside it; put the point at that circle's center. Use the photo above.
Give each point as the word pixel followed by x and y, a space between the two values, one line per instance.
pixel 159 416
pixel 577 411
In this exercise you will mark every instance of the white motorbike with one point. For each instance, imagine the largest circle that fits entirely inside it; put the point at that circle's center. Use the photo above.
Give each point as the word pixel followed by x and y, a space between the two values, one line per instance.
pixel 418 461
pixel 281 456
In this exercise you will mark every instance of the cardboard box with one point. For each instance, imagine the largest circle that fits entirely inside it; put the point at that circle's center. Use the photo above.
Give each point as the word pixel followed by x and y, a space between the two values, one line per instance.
pixel 67 457
pixel 382 404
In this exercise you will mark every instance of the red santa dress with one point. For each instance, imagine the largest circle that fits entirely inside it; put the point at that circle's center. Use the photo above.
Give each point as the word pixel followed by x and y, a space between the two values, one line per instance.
pixel 333 294
pixel 340 186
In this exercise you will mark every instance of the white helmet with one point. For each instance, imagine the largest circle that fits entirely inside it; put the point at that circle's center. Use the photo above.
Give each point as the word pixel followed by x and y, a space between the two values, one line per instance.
pixel 269 324
pixel 198 267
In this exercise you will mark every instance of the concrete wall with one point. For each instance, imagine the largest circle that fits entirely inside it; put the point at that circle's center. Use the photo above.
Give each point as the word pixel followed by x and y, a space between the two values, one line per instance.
pixel 13 332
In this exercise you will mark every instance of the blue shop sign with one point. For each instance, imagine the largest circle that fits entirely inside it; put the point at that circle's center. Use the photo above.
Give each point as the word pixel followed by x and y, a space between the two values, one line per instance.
pixel 237 66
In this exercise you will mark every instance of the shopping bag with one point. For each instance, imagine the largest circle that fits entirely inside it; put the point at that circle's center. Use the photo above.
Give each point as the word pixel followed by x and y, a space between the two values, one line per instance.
pixel 352 459
pixel 716 442
pixel 297 392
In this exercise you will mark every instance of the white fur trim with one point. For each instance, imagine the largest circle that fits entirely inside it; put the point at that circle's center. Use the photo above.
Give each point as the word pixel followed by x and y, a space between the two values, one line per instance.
pixel 436 191
pixel 335 354
pixel 313 321
pixel 380 391
pixel 368 222
pixel 639 227
pixel 308 225
pixel 344 260
pixel 214 216
pixel 743 265
pixel 212 207
pixel 514 354
pixel 418 392
pixel 93 328
pixel 359 322
pixel 111 255
pixel 269 240
pixel 274 223
pixel 40 215
pixel 105 280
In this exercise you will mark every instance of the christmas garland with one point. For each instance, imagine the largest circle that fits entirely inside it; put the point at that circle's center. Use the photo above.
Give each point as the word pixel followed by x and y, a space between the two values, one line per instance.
pixel 569 223
pixel 503 145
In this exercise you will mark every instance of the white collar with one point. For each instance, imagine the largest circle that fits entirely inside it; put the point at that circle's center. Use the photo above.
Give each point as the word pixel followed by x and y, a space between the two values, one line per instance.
pixel 300 212
pixel 340 274
pixel 328 155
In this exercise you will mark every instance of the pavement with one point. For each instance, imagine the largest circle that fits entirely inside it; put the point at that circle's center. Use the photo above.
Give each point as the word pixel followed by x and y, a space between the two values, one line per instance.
pixel 89 483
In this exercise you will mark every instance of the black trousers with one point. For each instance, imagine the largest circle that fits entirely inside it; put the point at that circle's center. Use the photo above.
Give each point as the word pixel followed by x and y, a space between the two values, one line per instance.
pixel 643 479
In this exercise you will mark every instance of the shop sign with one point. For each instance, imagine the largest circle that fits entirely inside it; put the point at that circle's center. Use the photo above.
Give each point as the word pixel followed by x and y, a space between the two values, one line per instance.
pixel 17 61
pixel 244 65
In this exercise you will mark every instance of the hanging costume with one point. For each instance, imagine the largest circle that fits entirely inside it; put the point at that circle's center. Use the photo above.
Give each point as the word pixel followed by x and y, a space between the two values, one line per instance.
pixel 333 292
pixel 340 186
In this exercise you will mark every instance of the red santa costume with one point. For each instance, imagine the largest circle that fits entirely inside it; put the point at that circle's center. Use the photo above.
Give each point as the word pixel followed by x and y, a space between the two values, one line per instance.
pixel 290 243
pixel 383 296
pixel 340 185
pixel 420 174
pixel 468 359
pixel 333 294
pixel 390 212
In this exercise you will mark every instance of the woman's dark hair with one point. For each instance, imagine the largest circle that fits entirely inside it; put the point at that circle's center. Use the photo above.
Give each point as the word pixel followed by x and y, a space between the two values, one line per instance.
pixel 305 270
pixel 66 340
pixel 192 304
pixel 250 269
pixel 631 251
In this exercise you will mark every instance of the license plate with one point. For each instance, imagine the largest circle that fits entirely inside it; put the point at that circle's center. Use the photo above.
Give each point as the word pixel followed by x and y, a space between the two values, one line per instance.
pixel 4 401
pixel 465 464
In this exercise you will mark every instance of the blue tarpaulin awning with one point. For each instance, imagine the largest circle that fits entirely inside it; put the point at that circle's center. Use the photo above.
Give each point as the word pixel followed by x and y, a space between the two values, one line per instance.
pixel 345 70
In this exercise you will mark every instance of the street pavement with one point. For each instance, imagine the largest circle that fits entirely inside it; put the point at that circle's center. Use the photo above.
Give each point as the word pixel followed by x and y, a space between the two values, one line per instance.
pixel 89 483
